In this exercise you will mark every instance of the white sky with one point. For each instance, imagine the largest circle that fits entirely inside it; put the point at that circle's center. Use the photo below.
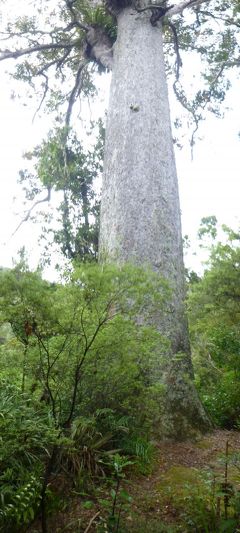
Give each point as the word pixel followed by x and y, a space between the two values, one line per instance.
pixel 209 185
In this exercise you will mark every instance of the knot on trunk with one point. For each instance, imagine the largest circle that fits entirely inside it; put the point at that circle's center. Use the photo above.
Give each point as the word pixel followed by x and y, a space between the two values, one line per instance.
pixel 98 47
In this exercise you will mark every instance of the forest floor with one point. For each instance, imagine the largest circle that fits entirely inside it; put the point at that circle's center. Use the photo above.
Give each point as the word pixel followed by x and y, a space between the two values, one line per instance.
pixel 188 489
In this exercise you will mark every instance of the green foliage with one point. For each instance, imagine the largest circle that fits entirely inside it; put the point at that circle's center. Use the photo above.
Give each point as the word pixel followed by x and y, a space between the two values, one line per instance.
pixel 86 451
pixel 100 17
pixel 90 321
pixel 214 311
pixel 142 450
pixel 222 401
pixel 26 438
pixel 85 385
pixel 208 227
pixel 119 498
pixel 23 506
pixel 204 502
pixel 26 434
pixel 63 168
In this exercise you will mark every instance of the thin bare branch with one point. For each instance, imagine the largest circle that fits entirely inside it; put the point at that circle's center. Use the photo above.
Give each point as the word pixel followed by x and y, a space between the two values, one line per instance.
pixel 41 71
pixel 75 92
pixel 213 83
pixel 88 344
pixel 24 33
pixel 91 522
pixel 176 48
pixel 25 219
pixel 183 101
pixel 47 375
pixel 43 96
pixel 58 63
pixel 227 21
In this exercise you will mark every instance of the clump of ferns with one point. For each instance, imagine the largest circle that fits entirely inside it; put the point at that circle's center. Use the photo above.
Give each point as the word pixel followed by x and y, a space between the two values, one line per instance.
pixel 99 17
pixel 86 451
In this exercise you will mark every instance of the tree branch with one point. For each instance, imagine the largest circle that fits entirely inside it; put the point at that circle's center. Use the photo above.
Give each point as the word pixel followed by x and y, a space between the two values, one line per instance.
pixel 88 344
pixel 91 522
pixel 75 21
pixel 25 219
pixel 8 54
pixel 179 8
pixel 58 63
pixel 176 48
pixel 183 101
pixel 172 10
pixel 74 92
pixel 43 96
pixel 228 21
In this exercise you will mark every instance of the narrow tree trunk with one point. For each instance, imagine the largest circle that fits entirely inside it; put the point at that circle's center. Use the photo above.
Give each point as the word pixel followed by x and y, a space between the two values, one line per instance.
pixel 140 212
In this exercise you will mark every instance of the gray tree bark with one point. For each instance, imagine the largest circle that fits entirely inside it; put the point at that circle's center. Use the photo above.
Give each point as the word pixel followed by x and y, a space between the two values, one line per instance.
pixel 140 212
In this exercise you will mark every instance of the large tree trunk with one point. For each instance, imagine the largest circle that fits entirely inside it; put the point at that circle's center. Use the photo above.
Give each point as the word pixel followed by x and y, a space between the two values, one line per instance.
pixel 140 212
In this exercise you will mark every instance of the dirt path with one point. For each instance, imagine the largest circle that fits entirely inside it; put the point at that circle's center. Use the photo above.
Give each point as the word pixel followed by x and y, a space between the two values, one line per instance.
pixel 177 477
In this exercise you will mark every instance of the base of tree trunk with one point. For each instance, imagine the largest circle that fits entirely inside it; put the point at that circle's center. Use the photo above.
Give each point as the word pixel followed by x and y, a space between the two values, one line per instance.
pixel 182 413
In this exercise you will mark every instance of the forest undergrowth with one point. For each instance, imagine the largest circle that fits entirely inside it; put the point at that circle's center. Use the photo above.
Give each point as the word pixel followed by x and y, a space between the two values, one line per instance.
pixel 189 487
pixel 81 401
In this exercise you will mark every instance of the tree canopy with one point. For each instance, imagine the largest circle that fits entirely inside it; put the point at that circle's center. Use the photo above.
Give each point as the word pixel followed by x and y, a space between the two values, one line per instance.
pixel 61 46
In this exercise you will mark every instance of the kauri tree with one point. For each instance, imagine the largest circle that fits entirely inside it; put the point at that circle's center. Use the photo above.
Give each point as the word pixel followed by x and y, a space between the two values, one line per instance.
pixel 140 213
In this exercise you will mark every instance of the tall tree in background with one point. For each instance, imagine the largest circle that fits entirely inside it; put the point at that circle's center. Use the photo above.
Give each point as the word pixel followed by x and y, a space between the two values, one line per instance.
pixel 140 216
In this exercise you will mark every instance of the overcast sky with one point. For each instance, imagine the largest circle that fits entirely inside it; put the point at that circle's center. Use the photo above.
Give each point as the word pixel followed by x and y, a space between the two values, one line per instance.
pixel 209 185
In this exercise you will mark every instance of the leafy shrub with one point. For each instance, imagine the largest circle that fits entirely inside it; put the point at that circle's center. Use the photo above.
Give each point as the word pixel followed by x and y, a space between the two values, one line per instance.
pixel 222 402
pixel 26 434
pixel 214 309
pixel 86 382
pixel 23 503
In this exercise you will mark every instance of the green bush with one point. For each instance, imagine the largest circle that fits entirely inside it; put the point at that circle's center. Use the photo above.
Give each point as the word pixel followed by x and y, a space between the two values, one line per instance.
pixel 26 435
pixel 222 401
pixel 86 380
